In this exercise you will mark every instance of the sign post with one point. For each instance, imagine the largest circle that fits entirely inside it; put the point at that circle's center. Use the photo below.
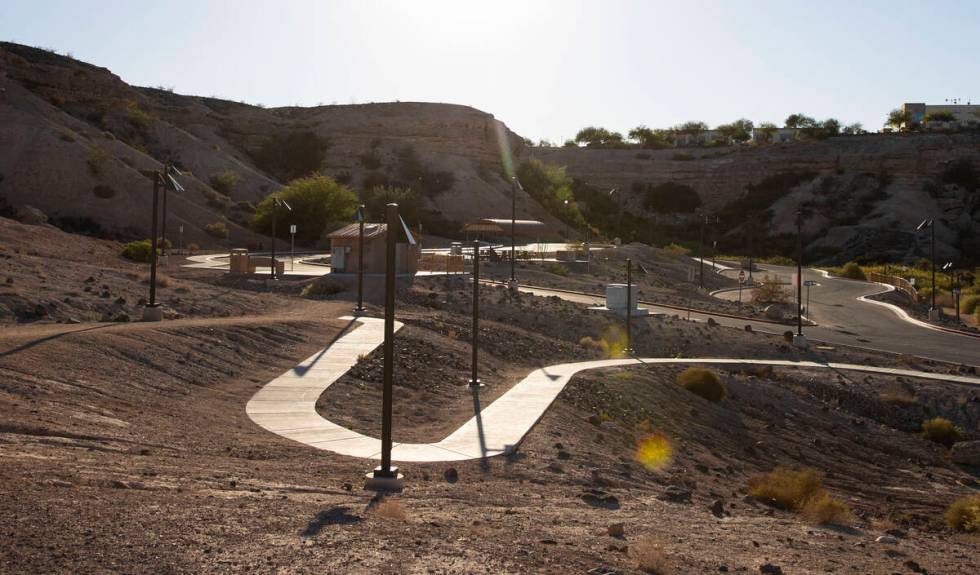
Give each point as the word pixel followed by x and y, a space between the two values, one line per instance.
pixel 292 244
pixel 808 284
pixel 741 280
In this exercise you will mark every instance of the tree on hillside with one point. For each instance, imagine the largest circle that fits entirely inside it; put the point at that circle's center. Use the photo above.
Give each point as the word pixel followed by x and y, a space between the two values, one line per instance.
pixel 939 117
pixel 596 137
pixel 569 144
pixel 899 119
pixel 854 129
pixel 551 187
pixel 829 127
pixel 378 197
pixel 653 139
pixel 693 128
pixel 800 121
pixel 738 131
pixel 319 204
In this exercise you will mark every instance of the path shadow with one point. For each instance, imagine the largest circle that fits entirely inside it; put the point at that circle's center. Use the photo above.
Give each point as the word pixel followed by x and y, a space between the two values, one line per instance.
pixel 39 341
pixel 332 516
pixel 301 370
pixel 478 414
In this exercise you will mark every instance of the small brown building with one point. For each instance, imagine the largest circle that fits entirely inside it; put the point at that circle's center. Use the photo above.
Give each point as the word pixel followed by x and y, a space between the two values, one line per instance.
pixel 344 246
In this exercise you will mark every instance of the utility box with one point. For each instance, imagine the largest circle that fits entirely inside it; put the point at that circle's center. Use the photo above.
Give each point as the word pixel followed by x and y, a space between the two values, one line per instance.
pixel 616 297
pixel 456 249
pixel 239 261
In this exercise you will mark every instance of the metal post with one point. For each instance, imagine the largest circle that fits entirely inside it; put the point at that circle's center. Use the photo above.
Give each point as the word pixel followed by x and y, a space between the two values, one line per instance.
pixel 956 282
pixel 272 260
pixel 163 227
pixel 153 241
pixel 933 226
pixel 391 211
pixel 513 228
pixel 360 264
pixel 292 247
pixel 808 300
pixel 474 380
pixel 629 305
pixel 180 238
pixel 799 273
pixel 739 293
pixel 704 219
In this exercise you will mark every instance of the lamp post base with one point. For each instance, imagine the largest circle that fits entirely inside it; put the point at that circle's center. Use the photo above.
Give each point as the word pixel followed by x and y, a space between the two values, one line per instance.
pixel 512 285
pixel 475 384
pixel 153 313
pixel 935 314
pixel 799 341
pixel 380 480
pixel 359 311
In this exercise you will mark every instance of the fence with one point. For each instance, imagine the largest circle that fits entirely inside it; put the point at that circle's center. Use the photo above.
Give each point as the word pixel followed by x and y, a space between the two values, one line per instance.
pixel 452 264
pixel 901 284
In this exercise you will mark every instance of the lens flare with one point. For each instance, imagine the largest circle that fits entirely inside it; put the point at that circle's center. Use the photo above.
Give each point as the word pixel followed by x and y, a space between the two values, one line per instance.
pixel 613 342
pixel 654 452
pixel 504 143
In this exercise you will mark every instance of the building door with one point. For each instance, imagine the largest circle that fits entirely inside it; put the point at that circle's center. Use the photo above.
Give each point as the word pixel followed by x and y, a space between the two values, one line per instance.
pixel 338 261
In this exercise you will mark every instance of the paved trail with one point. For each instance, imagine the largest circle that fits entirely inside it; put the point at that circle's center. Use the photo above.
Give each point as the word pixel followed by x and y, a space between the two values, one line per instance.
pixel 287 405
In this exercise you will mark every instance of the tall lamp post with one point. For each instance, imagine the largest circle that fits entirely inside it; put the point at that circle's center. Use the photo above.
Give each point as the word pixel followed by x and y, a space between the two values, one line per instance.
pixel 629 306
pixel 475 345
pixel 799 340
pixel 276 202
pixel 946 267
pixel 931 224
pixel 515 183
pixel 166 179
pixel 386 476
pixel 360 260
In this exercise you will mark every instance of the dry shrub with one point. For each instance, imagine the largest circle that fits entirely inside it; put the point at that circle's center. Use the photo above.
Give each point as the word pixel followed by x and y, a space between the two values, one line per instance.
pixel 770 291
pixel 323 287
pixel 964 514
pixel 391 509
pixel 853 271
pixel 162 279
pixel 703 382
pixel 940 430
pixel 650 556
pixel 588 343
pixel 898 397
pixel 800 491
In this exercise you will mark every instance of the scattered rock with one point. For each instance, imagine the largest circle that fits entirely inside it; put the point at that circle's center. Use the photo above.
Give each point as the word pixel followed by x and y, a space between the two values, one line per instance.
pixel 675 494
pixel 748 328
pixel 595 420
pixel 887 540
pixel 603 571
pixel 555 467
pixel 966 452
pixel 451 475
pixel 564 455
pixel 31 216
pixel 914 567
pixel 896 533
pixel 599 498
pixel 616 530
pixel 717 508
pixel 712 322
pixel 770 568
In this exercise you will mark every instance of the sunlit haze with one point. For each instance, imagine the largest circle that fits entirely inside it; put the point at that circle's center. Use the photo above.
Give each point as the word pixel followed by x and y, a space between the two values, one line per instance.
pixel 546 68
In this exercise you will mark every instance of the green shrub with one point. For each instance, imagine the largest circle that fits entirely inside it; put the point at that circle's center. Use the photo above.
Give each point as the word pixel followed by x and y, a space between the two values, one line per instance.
pixel 940 430
pixel 292 155
pixel 968 304
pixel 555 268
pixel 853 271
pixel 217 229
pixel 323 287
pixel 319 204
pixel 964 514
pixel 800 491
pixel 137 117
pixel 676 249
pixel 780 261
pixel 703 382
pixel 224 182
pixel 138 251
pixel 671 197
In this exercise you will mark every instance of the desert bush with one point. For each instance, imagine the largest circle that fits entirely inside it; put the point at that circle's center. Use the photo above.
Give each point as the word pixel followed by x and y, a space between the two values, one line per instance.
pixel 676 249
pixel 375 199
pixel 800 491
pixel 968 304
pixel 940 430
pixel 964 514
pixel 138 251
pixel 97 160
pixel 650 556
pixel 323 287
pixel 137 117
pixel 588 343
pixel 898 397
pixel 769 291
pixel 390 509
pixel 853 271
pixel 780 261
pixel 217 230
pixel 703 382
pixel 555 268
pixel 370 159
pixel 292 155
pixel 681 157
pixel 192 248
pixel 319 204
pixel 671 197
pixel 224 182
pixel 162 280
pixel 103 191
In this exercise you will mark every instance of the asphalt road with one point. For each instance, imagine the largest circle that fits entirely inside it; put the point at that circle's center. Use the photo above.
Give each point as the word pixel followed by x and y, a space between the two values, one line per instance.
pixel 842 319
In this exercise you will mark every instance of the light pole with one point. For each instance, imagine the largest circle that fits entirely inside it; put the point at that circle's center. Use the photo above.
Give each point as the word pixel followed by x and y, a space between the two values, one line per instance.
pixel 276 202
pixel 800 339
pixel 566 221
pixel 629 306
pixel 164 178
pixel 385 476
pixel 474 379
pixel 931 224
pixel 360 260
pixel 946 267
pixel 515 183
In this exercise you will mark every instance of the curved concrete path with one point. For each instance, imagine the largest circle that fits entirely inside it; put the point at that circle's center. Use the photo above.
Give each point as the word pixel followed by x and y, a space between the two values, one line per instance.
pixel 287 404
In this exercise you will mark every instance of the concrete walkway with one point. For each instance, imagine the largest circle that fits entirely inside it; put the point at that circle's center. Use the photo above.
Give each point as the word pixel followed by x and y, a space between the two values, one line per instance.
pixel 287 404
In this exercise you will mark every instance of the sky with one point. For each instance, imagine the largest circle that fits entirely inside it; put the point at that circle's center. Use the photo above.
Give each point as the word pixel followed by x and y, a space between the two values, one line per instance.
pixel 544 67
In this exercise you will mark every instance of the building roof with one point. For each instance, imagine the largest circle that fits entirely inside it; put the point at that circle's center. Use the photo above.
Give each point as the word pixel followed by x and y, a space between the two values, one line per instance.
pixel 502 225
pixel 371 231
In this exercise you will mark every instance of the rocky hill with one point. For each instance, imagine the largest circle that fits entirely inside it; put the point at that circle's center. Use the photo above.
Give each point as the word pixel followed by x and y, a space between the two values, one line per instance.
pixel 74 136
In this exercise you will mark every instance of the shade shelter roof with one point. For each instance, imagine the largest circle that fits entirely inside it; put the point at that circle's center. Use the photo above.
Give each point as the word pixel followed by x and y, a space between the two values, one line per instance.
pixel 371 231
pixel 502 226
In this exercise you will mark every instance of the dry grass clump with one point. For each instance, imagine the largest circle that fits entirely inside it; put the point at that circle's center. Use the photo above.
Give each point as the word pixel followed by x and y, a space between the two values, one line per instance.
pixel 899 397
pixel 163 280
pixel 940 430
pixel 650 556
pixel 390 509
pixel 588 343
pixel 770 291
pixel 703 382
pixel 800 491
pixel 964 514
pixel 323 287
